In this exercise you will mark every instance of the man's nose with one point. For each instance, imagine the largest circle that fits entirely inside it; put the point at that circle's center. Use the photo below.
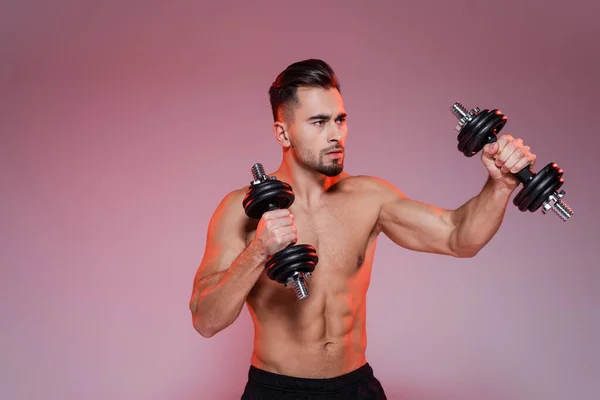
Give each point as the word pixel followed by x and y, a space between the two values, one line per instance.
pixel 335 133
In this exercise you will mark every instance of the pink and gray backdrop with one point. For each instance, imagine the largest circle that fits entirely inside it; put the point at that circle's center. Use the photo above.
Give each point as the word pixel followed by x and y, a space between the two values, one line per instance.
pixel 124 123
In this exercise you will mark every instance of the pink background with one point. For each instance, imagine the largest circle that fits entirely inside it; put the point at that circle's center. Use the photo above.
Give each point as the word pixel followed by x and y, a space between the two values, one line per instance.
pixel 124 123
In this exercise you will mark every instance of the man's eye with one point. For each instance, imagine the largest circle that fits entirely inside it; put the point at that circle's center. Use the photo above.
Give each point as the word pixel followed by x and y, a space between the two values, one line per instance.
pixel 318 122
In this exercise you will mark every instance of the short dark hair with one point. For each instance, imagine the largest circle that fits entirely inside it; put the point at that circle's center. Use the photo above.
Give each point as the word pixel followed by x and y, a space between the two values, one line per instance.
pixel 306 73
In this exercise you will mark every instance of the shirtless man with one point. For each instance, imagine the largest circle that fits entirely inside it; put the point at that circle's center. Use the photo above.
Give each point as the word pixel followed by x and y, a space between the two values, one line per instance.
pixel 300 346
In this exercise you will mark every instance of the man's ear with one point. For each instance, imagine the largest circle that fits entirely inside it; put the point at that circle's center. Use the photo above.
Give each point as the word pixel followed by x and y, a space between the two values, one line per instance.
pixel 281 133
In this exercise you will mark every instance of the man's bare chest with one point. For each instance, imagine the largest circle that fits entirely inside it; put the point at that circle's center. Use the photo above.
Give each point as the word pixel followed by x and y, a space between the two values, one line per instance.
pixel 341 229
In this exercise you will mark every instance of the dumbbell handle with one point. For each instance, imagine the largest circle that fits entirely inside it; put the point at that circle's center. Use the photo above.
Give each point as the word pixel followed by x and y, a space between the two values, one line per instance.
pixel 272 207
pixel 525 175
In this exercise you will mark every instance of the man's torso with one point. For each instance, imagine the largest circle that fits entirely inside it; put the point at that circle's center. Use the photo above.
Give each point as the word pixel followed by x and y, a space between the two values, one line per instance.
pixel 324 335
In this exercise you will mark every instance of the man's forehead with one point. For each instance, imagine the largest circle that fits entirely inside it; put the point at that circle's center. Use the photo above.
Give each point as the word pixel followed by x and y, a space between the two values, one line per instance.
pixel 318 98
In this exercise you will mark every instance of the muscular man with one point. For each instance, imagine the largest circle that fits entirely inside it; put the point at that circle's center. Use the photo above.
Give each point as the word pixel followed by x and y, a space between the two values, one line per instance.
pixel 315 348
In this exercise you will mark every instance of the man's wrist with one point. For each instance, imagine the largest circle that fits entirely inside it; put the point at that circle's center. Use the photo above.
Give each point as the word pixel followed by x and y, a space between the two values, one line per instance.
pixel 258 251
pixel 502 189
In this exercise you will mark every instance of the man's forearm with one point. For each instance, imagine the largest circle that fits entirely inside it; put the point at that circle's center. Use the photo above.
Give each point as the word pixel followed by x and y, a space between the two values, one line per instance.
pixel 478 220
pixel 219 298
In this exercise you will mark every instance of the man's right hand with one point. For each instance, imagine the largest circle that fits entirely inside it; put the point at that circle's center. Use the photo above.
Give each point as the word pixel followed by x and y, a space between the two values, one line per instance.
pixel 276 231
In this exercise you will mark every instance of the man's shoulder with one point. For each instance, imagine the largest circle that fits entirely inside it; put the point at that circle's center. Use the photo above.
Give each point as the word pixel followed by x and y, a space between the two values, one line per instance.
pixel 237 194
pixel 373 188
pixel 368 183
pixel 231 202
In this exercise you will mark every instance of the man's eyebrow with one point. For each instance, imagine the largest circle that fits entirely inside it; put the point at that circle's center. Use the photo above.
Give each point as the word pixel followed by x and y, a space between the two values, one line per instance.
pixel 326 116
pixel 319 116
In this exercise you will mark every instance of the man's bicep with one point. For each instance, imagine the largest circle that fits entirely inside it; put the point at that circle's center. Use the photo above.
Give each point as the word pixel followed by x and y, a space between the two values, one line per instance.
pixel 413 224
pixel 224 238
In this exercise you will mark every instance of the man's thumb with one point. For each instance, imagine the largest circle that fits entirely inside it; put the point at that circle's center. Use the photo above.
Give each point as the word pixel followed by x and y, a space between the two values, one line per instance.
pixel 490 149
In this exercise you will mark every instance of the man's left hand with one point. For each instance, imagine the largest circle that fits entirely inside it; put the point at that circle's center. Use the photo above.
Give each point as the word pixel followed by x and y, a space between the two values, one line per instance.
pixel 506 157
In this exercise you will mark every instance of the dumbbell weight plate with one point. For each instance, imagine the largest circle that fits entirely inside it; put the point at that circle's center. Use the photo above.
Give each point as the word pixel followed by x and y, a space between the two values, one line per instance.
pixel 544 183
pixel 267 195
pixel 299 258
pixel 482 129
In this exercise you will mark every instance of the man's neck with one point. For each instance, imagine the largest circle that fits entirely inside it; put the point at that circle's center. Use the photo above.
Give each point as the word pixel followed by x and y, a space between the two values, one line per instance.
pixel 308 185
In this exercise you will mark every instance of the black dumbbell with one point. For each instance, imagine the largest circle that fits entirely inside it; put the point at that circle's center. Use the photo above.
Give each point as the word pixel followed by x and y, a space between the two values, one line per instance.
pixel 292 265
pixel 477 128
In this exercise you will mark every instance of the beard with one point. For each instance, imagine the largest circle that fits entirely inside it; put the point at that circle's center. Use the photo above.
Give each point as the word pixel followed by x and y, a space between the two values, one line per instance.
pixel 334 169
pixel 317 163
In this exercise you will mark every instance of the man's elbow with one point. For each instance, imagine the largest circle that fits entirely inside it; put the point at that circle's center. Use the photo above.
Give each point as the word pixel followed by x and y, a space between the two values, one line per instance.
pixel 206 333
pixel 199 322
pixel 205 330
pixel 464 252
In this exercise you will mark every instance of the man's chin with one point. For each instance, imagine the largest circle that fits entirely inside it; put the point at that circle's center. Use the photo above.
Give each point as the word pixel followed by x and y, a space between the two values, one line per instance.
pixel 332 172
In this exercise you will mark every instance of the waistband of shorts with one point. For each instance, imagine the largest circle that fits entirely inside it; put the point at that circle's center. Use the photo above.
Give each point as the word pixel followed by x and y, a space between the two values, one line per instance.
pixel 270 379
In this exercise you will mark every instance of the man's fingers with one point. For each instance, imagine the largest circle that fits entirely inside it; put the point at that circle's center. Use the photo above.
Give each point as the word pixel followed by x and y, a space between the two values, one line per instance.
pixel 529 160
pixel 490 149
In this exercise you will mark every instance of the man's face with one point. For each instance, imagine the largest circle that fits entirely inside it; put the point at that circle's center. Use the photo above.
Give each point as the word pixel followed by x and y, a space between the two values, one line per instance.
pixel 318 130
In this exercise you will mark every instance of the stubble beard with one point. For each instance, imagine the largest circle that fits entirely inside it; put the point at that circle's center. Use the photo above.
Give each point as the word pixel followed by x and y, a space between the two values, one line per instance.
pixel 310 160
pixel 334 169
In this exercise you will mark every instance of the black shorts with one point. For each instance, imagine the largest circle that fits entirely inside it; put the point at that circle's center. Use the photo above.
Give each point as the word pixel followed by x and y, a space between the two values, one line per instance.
pixel 358 384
